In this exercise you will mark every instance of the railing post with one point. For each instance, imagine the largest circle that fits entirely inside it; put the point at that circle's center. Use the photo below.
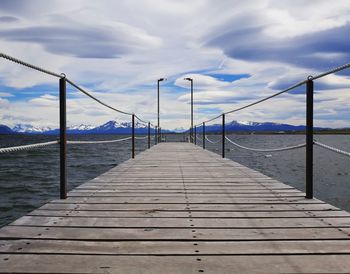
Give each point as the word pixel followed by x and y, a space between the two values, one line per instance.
pixel 155 135
pixel 160 135
pixel 149 134
pixel 133 137
pixel 309 137
pixel 223 135
pixel 63 139
pixel 195 135
pixel 203 135
pixel 191 135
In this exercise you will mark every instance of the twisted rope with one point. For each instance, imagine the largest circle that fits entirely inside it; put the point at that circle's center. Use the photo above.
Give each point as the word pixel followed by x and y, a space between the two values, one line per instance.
pixel 27 147
pixel 337 69
pixel 265 150
pixel 210 141
pixel 94 98
pixel 199 138
pixel 337 150
pixel 141 138
pixel 18 61
pixel 98 142
pixel 142 121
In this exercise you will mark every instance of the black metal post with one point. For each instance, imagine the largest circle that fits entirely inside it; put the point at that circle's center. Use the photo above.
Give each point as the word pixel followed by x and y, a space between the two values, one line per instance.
pixel 133 137
pixel 63 139
pixel 223 135
pixel 309 138
pixel 158 101
pixel 195 135
pixel 203 135
pixel 192 109
pixel 149 135
pixel 155 135
pixel 160 134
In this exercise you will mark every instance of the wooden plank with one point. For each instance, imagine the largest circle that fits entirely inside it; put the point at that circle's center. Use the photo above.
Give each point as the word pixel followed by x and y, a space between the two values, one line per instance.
pixel 185 214
pixel 155 234
pixel 175 247
pixel 174 264
pixel 179 222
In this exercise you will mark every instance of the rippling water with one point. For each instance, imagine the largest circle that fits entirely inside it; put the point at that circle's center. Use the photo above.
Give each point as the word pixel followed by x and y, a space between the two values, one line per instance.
pixel 30 179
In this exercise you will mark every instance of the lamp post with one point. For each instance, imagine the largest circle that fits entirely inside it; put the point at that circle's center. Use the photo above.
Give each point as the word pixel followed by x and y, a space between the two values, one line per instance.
pixel 158 81
pixel 191 130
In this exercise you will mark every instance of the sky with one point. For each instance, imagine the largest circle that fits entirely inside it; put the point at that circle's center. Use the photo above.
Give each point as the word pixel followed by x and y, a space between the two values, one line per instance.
pixel 235 51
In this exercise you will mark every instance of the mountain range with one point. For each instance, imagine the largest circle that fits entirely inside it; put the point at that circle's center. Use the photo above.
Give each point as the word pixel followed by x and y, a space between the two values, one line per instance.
pixel 114 127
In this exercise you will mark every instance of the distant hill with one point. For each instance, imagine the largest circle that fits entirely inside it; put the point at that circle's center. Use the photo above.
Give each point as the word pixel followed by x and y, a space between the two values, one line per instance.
pixel 5 130
pixel 242 126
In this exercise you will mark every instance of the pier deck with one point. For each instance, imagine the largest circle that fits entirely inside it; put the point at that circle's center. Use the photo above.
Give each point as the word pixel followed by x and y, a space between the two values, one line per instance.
pixel 177 208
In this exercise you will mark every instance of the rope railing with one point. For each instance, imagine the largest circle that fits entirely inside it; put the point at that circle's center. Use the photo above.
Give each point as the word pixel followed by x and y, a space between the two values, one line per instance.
pixel 199 138
pixel 27 147
pixel 210 141
pixel 94 98
pixel 28 65
pixel 98 142
pixel 266 149
pixel 337 150
pixel 141 137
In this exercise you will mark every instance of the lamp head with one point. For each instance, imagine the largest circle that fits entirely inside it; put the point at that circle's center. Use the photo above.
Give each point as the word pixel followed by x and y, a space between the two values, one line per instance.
pixel 161 79
pixel 188 79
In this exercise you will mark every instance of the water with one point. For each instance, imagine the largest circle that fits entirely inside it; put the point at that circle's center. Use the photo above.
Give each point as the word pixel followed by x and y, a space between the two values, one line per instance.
pixel 30 179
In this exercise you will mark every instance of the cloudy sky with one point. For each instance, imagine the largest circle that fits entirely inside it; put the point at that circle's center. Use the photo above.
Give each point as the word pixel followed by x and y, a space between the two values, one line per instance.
pixel 236 52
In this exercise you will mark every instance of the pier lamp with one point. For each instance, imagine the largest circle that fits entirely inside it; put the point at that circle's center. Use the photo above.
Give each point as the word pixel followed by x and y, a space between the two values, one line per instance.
pixel 191 130
pixel 158 81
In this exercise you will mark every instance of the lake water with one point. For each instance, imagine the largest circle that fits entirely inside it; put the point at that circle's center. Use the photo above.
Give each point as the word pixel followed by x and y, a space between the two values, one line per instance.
pixel 31 178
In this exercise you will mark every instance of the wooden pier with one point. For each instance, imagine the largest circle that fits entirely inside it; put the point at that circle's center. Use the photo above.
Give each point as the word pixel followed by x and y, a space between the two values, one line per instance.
pixel 177 208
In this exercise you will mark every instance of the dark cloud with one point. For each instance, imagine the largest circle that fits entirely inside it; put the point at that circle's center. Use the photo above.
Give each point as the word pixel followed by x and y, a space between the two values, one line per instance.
pixel 78 41
pixel 317 50
pixel 8 19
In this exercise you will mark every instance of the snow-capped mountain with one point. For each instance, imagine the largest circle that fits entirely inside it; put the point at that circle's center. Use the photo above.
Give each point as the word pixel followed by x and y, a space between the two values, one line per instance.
pixel 111 127
pixel 80 127
pixel 26 128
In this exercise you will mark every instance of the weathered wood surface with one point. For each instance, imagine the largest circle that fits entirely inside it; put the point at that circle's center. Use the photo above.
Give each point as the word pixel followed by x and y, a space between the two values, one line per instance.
pixel 179 209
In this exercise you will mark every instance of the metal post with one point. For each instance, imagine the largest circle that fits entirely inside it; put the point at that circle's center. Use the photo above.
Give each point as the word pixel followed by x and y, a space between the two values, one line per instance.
pixel 309 137
pixel 203 135
pixel 158 101
pixel 133 137
pixel 192 110
pixel 149 135
pixel 223 135
pixel 63 139
pixel 155 135
pixel 160 134
pixel 195 135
